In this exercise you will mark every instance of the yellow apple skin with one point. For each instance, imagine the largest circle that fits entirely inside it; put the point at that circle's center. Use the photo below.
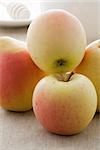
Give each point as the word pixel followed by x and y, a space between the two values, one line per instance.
pixel 56 41
pixel 18 75
pixel 90 66
pixel 65 108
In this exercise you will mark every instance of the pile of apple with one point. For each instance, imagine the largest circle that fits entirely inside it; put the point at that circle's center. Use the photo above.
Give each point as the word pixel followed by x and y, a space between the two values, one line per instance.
pixel 64 102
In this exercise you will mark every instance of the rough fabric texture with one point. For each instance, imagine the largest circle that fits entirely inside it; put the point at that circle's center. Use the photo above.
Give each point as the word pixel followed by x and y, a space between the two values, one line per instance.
pixel 21 131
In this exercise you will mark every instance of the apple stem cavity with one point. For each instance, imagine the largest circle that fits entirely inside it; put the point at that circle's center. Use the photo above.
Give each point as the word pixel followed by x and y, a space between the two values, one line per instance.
pixel 65 77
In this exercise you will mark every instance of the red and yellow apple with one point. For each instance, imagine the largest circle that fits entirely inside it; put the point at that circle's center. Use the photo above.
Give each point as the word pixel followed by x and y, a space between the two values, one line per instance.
pixel 90 66
pixel 63 106
pixel 18 75
pixel 56 41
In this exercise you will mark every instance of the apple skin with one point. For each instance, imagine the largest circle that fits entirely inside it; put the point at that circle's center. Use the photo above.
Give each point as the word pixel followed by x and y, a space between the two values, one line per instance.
pixel 18 75
pixel 56 41
pixel 65 108
pixel 90 66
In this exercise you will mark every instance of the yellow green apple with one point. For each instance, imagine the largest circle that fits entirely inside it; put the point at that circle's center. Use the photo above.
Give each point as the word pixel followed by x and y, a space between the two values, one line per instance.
pixel 18 75
pixel 90 66
pixel 63 106
pixel 56 40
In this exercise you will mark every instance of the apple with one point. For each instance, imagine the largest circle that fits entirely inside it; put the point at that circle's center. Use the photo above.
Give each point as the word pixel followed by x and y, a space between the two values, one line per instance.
pixel 63 106
pixel 90 66
pixel 18 75
pixel 56 41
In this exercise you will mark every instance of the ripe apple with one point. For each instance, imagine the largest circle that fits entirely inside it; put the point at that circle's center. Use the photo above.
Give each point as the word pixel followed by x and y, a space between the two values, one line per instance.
pixel 90 66
pixel 18 75
pixel 56 41
pixel 63 106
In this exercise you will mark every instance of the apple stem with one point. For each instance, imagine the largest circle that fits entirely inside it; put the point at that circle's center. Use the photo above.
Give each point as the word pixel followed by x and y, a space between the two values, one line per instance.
pixel 69 76
pixel 65 76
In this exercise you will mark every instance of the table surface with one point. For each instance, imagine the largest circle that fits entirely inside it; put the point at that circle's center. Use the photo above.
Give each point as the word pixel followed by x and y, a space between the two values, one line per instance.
pixel 21 131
